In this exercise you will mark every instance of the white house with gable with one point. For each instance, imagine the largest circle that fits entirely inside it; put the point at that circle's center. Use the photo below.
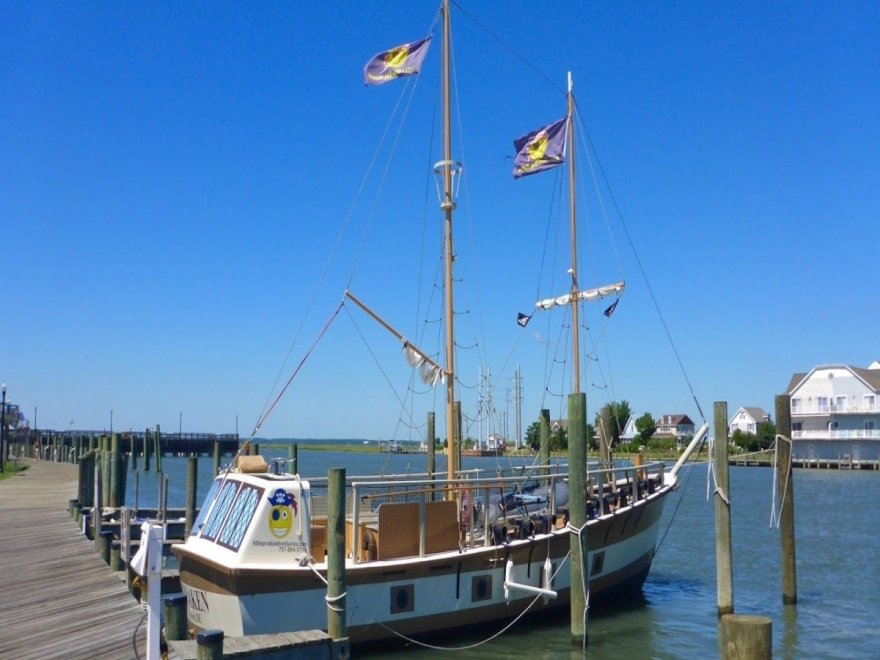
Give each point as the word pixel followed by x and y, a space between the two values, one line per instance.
pixel 747 419
pixel 835 413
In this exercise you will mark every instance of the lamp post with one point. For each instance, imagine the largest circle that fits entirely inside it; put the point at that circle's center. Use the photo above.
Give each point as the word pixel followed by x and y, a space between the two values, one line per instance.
pixel 3 431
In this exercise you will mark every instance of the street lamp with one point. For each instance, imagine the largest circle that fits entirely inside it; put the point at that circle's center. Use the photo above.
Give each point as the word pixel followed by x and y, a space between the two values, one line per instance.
pixel 3 431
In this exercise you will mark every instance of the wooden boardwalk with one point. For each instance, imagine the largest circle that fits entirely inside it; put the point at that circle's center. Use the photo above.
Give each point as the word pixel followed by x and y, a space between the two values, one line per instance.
pixel 58 599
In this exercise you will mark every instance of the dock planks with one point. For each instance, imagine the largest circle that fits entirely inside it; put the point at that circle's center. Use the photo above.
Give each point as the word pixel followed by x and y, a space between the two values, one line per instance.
pixel 58 599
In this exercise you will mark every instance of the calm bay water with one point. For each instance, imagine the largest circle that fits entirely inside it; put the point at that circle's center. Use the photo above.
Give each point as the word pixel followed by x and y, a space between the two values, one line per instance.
pixel 837 522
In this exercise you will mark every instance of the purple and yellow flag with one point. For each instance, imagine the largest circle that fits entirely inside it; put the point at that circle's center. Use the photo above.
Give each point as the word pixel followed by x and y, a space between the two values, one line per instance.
pixel 405 60
pixel 540 150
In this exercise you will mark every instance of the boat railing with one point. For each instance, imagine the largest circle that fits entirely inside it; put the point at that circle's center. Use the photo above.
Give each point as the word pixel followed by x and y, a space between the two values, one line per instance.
pixel 416 517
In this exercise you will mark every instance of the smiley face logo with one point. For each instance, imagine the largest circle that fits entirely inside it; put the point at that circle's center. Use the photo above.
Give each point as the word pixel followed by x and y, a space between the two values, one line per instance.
pixel 282 513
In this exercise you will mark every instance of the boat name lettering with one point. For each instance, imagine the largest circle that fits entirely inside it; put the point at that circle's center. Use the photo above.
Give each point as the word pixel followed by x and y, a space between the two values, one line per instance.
pixel 196 601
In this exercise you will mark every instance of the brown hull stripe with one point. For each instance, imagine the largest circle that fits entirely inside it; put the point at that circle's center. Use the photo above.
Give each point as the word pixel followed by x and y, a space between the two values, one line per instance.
pixel 198 572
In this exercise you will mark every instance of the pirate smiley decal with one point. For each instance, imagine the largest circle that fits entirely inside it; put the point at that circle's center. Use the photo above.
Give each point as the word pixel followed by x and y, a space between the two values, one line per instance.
pixel 280 515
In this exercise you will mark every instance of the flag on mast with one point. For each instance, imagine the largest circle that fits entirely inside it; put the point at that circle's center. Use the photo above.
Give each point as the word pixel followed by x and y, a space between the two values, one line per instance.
pixel 540 150
pixel 404 60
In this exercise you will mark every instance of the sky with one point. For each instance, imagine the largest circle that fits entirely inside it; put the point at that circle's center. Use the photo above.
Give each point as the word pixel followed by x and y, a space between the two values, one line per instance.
pixel 186 190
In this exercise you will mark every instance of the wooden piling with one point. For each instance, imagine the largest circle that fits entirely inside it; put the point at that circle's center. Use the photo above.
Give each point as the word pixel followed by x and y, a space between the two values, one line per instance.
pixel 105 471
pixel 175 617
pixel 158 437
pixel 723 551
pixel 209 645
pixel 134 452
pixel 577 513
pixel 430 445
pixel 786 488
pixel 745 637
pixel 544 432
pixel 192 476
pixel 148 449
pixel 85 490
pixel 336 620
pixel 216 459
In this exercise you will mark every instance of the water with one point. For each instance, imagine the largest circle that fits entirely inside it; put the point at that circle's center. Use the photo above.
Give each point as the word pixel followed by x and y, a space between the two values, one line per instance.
pixel 838 567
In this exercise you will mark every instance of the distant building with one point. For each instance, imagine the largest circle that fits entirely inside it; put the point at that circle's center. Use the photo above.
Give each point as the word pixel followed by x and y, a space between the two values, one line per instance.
pixel 835 413
pixel 629 430
pixel 680 427
pixel 747 419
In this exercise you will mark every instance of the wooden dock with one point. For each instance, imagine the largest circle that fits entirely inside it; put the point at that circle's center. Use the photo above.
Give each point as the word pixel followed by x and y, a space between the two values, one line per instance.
pixel 58 599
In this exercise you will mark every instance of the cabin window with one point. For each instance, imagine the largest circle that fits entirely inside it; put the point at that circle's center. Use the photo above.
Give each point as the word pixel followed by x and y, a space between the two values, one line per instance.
pixel 402 599
pixel 481 587
pixel 240 517
pixel 220 509
pixel 200 519
pixel 598 563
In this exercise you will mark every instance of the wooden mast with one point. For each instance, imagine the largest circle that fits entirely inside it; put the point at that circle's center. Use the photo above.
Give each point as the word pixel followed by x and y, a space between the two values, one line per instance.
pixel 577 442
pixel 575 340
pixel 448 205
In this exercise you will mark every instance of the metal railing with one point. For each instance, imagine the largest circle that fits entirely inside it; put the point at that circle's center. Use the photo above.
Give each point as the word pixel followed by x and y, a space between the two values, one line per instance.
pixel 414 515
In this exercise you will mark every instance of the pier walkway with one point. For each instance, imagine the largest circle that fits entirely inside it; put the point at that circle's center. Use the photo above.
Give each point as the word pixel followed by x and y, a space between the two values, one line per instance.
pixel 58 599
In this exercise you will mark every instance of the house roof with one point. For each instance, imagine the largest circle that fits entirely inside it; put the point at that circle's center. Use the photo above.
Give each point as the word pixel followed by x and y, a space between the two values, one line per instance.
pixel 870 376
pixel 675 420
pixel 757 414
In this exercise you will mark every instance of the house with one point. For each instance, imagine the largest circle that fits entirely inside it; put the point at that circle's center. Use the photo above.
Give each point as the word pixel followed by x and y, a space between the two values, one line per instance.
pixel 680 427
pixel 747 419
pixel 629 430
pixel 835 413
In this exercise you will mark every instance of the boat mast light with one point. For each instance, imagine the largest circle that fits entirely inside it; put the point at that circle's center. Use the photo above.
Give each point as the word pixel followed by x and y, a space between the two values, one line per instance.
pixel 455 169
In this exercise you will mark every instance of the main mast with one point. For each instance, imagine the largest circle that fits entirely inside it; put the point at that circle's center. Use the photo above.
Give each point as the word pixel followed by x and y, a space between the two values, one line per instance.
pixel 448 205
pixel 575 341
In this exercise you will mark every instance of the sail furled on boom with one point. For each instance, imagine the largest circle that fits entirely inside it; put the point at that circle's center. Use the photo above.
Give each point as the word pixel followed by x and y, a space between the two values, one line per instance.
pixel 541 149
pixel 429 371
pixel 586 295
pixel 403 60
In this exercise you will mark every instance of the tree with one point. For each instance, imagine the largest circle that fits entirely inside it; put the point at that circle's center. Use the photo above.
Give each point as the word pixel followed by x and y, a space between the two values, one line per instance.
pixel 533 435
pixel 766 435
pixel 646 427
pixel 620 414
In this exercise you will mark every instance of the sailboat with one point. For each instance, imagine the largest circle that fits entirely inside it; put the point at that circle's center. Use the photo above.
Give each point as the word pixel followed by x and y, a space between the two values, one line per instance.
pixel 425 554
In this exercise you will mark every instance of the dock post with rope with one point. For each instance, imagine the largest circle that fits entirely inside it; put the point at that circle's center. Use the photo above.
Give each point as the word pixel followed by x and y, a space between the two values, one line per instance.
pixel 723 552
pixel 577 518
pixel 336 618
pixel 786 489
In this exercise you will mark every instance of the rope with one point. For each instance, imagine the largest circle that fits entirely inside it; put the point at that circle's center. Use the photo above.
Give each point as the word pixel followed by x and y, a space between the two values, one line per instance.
pixel 774 517
pixel 468 647
pixel 332 600
pixel 296 371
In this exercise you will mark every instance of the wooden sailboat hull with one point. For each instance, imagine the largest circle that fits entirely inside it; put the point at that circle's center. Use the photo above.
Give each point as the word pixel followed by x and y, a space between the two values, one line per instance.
pixel 422 596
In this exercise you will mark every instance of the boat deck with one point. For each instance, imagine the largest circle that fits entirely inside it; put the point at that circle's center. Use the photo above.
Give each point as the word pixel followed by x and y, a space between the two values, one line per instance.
pixel 58 599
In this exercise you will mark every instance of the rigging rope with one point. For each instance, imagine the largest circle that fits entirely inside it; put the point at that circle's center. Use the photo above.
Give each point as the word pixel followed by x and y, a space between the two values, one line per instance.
pixel 642 269
pixel 296 371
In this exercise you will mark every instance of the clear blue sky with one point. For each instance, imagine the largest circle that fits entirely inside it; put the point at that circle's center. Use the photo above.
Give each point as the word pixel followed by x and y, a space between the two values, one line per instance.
pixel 174 175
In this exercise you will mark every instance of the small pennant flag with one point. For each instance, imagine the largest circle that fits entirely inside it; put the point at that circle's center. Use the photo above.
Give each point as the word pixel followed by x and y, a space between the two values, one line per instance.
pixel 405 60
pixel 540 150
pixel 610 309
pixel 522 319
